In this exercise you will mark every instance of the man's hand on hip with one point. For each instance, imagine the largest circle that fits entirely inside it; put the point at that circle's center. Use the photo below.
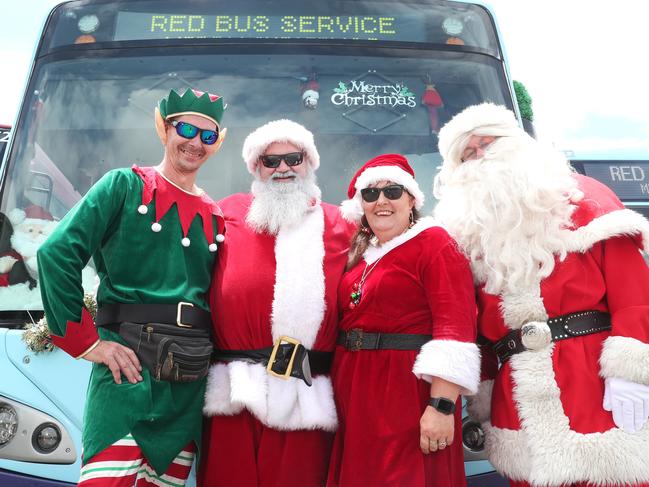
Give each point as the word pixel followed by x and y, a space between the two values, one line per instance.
pixel 119 359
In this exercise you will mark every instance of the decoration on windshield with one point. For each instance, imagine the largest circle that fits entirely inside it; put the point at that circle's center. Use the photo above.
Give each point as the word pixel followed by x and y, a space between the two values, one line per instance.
pixel 432 100
pixel 311 93
pixel 374 91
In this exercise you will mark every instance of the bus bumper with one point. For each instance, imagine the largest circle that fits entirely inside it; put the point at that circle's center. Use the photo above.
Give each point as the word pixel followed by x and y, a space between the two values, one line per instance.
pixel 11 479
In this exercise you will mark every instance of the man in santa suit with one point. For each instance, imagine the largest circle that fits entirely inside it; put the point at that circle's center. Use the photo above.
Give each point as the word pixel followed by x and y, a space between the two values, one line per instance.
pixel 563 295
pixel 275 284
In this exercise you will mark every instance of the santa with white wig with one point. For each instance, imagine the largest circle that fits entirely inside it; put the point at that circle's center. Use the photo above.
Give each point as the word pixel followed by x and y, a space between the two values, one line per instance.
pixel 563 296
pixel 269 394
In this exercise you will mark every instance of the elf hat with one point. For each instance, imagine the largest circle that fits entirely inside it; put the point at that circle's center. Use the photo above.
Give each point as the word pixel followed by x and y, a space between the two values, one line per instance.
pixel 192 102
pixel 279 131
pixel 386 167
pixel 485 119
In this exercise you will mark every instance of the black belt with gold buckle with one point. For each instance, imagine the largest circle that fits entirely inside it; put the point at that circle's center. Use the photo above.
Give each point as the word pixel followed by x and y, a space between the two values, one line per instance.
pixel 357 339
pixel 287 358
pixel 561 328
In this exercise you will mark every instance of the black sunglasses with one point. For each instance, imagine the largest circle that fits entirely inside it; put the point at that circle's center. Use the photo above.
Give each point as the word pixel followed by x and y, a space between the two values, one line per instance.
pixel 189 131
pixel 392 192
pixel 273 161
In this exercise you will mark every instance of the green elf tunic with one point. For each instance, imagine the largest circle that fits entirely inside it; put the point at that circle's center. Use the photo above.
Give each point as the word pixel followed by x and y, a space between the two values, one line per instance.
pixel 152 243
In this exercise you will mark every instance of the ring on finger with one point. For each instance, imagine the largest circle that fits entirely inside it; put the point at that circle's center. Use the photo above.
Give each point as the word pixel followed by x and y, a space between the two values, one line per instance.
pixel 442 444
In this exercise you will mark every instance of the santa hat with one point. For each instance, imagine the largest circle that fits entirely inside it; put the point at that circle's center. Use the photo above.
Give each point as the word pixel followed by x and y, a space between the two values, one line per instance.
pixel 279 131
pixel 486 119
pixel 386 167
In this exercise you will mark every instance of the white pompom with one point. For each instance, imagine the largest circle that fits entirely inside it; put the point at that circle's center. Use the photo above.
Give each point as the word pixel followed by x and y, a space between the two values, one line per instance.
pixel 142 209
pixel 220 238
pixel 185 241
pixel 156 227
pixel 212 247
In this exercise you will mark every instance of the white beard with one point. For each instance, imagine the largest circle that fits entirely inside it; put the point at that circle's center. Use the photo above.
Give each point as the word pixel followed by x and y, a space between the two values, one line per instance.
pixel 507 212
pixel 277 205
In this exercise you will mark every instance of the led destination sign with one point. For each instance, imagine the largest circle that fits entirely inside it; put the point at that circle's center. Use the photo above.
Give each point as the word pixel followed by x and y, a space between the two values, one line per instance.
pixel 629 179
pixel 140 26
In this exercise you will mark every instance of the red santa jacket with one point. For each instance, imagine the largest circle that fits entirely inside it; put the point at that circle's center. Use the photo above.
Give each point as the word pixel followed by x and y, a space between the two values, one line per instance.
pixel 268 286
pixel 543 411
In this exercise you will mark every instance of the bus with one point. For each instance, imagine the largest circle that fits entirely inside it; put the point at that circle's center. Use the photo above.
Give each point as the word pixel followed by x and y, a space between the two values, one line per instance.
pixel 365 76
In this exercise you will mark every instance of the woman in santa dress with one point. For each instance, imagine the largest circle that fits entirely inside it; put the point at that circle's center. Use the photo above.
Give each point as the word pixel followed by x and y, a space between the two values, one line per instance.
pixel 406 348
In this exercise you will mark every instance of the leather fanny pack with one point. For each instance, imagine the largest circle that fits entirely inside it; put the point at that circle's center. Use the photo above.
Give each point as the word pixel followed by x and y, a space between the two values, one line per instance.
pixel 174 352
pixel 532 337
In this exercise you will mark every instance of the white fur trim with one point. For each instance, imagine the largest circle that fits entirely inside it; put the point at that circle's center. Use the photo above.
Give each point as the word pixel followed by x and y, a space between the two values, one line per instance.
pixel 451 360
pixel 626 358
pixel 279 131
pixel 281 404
pixel 19 296
pixel 298 311
pixel 613 224
pixel 352 209
pixel 373 253
pixel 298 301
pixel 6 263
pixel 507 451
pixel 479 405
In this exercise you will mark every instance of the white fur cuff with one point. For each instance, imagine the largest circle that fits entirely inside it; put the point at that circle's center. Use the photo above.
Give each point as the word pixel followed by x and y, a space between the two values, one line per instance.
pixel 626 358
pixel 479 406
pixel 451 360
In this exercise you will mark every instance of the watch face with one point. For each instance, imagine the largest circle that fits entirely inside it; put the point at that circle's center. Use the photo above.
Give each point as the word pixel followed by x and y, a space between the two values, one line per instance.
pixel 443 405
pixel 453 26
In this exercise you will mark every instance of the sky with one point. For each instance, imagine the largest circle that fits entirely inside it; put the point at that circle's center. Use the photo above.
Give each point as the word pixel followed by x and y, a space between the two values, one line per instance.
pixel 584 63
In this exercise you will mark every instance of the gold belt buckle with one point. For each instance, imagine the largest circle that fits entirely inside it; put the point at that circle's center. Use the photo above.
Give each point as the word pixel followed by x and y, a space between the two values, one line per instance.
pixel 179 313
pixel 273 355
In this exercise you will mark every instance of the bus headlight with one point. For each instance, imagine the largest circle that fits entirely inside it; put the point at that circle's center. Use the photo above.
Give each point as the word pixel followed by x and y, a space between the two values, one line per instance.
pixel 8 423
pixel 473 436
pixel 46 437
pixel 88 24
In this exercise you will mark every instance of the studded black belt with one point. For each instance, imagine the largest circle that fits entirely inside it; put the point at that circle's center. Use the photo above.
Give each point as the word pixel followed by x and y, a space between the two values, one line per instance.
pixel 533 336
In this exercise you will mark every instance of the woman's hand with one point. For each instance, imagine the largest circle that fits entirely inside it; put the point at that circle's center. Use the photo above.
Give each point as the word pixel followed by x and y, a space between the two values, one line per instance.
pixel 435 430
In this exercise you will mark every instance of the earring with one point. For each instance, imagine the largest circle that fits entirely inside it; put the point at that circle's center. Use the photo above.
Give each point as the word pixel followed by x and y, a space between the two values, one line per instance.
pixel 365 226
pixel 412 219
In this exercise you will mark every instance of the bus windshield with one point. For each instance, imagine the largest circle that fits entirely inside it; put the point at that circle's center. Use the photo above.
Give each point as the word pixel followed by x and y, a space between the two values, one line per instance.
pixel 387 83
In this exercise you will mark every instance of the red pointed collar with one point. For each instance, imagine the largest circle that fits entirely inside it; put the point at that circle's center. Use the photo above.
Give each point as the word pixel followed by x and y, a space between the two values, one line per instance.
pixel 187 204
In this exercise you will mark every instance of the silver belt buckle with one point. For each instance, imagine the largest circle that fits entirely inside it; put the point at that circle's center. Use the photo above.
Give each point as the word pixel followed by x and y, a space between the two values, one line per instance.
pixel 536 335
pixel 179 313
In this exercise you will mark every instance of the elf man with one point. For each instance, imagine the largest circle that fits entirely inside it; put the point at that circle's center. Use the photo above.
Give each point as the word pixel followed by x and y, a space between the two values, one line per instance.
pixel 153 235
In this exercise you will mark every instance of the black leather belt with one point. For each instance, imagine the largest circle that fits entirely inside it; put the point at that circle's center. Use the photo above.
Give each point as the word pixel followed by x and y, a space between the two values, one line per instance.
pixel 357 339
pixel 185 315
pixel 288 358
pixel 561 328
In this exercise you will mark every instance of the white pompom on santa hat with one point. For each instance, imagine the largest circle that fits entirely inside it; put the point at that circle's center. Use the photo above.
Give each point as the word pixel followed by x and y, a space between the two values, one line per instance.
pixel 386 167
pixel 486 119
pixel 279 131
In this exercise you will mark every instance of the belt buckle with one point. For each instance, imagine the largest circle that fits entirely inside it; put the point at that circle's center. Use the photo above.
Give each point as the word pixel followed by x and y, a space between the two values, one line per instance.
pixel 273 355
pixel 354 340
pixel 179 313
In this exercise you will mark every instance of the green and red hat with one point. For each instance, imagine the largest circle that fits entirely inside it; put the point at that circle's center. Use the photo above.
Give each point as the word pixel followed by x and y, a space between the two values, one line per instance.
pixel 192 102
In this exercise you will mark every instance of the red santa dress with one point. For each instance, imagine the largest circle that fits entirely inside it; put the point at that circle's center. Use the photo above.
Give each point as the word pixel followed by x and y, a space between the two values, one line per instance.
pixel 421 284
pixel 542 412
pixel 266 431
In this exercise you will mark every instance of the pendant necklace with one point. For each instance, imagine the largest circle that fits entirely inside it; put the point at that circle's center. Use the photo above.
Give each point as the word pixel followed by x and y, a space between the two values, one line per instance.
pixel 357 287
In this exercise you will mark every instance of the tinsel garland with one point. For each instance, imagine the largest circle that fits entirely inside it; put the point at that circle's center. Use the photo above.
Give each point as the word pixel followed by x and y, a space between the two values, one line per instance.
pixel 37 335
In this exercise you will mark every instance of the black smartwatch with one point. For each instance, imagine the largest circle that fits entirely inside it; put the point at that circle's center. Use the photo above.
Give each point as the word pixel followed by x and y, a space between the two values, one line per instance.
pixel 443 405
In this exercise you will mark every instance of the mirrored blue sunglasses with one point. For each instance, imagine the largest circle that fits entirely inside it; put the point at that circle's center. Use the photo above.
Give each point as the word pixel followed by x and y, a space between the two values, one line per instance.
pixel 189 131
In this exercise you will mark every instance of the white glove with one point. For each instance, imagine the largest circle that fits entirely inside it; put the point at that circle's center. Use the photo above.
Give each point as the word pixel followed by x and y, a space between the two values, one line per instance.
pixel 628 401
